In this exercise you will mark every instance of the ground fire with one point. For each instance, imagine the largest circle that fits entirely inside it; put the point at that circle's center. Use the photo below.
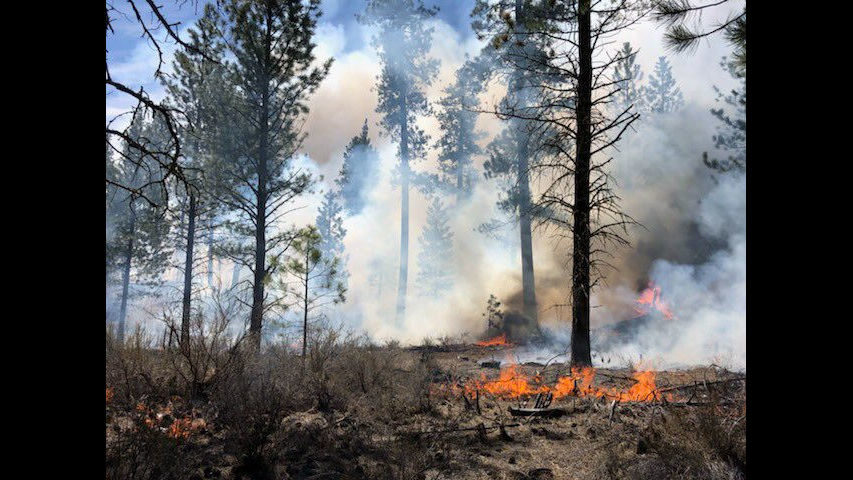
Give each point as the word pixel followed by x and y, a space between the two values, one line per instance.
pixel 500 340
pixel 513 383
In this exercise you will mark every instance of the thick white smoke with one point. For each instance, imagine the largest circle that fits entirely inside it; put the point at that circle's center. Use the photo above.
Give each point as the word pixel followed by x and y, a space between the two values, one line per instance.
pixel 693 246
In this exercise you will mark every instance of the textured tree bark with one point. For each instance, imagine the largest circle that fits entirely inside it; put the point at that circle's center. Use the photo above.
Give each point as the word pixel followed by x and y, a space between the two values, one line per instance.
pixel 528 283
pixel 581 234
pixel 125 279
pixel 256 319
pixel 404 212
pixel 188 276
pixel 527 278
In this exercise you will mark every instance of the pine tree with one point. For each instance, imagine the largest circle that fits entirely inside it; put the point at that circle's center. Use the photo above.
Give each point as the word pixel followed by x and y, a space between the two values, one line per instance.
pixel 137 240
pixel 403 41
pixel 627 77
pixel 662 94
pixel 359 172
pixel 331 230
pixel 200 89
pixel 731 131
pixel 518 56
pixel 274 70
pixel 577 110
pixel 435 260
pixel 315 277
pixel 458 142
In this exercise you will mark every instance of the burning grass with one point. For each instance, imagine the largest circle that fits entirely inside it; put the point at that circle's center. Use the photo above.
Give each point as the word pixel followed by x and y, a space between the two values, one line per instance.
pixel 513 383
pixel 499 341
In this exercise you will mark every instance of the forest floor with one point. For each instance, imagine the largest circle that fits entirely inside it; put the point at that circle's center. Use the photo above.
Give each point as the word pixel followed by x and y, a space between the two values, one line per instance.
pixel 391 412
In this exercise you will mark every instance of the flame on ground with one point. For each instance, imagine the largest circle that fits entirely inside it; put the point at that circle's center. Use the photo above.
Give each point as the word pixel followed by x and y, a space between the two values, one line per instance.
pixel 499 340
pixel 513 383
pixel 650 299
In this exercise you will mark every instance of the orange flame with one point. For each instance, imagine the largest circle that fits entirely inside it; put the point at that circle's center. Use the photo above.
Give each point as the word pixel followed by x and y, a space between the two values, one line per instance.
pixel 499 340
pixel 650 299
pixel 513 383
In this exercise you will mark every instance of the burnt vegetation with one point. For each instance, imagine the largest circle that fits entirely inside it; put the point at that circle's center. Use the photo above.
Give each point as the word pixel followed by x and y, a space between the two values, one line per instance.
pixel 228 354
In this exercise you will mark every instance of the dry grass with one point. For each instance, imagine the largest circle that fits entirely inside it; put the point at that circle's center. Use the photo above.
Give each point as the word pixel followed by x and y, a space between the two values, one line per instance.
pixel 353 409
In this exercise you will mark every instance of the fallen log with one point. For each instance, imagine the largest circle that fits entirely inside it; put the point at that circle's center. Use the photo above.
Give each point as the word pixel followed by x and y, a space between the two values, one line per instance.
pixel 467 429
pixel 538 412
pixel 705 384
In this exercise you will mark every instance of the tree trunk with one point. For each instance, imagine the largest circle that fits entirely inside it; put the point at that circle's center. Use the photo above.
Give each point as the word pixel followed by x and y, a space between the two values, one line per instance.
pixel 527 279
pixel 188 276
pixel 305 311
pixel 528 283
pixel 235 275
pixel 257 314
pixel 210 253
pixel 404 213
pixel 459 180
pixel 581 234
pixel 125 278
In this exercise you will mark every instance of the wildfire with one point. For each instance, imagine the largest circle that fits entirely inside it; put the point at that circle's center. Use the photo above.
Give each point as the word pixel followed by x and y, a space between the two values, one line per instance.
pixel 513 383
pixel 499 340
pixel 650 299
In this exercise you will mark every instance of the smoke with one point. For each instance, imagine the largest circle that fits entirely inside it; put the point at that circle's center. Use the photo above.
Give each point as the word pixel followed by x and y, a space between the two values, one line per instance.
pixel 692 246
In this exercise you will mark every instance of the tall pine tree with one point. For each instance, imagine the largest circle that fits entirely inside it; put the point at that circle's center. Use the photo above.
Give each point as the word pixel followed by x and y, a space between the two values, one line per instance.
pixel 275 71
pixel 200 89
pixel 137 242
pixel 403 42
pixel 515 54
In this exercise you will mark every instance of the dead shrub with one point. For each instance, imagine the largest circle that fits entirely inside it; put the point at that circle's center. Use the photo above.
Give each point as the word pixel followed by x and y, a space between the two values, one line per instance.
pixel 210 354
pixel 134 369
pixel 251 406
pixel 141 451
pixel 706 442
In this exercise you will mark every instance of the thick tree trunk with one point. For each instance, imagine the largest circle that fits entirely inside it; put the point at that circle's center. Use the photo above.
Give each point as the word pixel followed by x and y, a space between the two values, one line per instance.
pixel 404 214
pixel 527 279
pixel 581 234
pixel 528 283
pixel 125 279
pixel 188 276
